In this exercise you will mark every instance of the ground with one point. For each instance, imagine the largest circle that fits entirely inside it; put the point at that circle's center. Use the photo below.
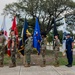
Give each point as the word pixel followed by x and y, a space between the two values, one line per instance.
pixel 35 68
pixel 37 59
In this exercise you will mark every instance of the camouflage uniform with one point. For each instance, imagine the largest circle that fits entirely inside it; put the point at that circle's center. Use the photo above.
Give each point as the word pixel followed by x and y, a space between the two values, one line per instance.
pixel 2 40
pixel 28 50
pixel 43 49
pixel 56 51
pixel 13 51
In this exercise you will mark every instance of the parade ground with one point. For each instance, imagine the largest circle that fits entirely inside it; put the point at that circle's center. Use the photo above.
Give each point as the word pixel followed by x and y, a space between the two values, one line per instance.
pixel 37 70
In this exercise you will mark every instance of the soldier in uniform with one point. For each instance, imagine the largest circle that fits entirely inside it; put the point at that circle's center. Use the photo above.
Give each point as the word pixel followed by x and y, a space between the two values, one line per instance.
pixel 43 48
pixel 28 49
pixel 56 50
pixel 13 48
pixel 69 51
pixel 2 41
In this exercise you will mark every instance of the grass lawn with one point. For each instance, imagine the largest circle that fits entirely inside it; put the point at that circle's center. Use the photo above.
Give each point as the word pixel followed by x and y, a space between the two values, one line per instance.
pixel 38 59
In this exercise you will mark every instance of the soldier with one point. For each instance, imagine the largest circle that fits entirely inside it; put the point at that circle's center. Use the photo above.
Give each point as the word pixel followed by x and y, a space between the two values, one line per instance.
pixel 13 48
pixel 69 51
pixel 56 50
pixel 28 49
pixel 2 41
pixel 43 48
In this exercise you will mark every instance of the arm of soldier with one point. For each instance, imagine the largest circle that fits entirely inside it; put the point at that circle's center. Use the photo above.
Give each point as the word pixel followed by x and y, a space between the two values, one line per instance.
pixel 59 44
pixel 13 44
pixel 72 45
pixel 45 41
pixel 4 42
pixel 4 39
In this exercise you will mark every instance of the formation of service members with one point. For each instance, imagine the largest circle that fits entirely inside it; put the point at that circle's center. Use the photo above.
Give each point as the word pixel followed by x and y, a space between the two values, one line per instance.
pixel 28 49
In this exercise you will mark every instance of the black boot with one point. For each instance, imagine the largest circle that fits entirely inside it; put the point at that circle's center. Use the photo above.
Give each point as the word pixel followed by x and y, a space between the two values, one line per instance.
pixel 1 64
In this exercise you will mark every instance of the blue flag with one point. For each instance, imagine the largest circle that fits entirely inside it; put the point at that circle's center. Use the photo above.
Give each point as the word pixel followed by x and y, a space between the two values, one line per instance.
pixel 21 48
pixel 25 27
pixel 22 41
pixel 37 36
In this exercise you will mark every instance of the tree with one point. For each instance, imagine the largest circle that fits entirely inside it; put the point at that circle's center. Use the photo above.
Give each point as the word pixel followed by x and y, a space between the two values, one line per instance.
pixel 44 9
pixel 70 20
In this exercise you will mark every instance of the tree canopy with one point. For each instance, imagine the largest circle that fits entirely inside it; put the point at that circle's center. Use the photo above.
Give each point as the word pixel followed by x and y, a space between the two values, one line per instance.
pixel 44 9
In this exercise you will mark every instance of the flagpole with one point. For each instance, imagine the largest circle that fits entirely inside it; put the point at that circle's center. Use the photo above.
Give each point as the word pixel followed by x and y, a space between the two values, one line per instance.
pixel 53 35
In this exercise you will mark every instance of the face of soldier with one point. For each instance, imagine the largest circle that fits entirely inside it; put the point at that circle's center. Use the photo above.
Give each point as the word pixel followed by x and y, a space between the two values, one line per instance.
pixel 56 37
pixel 68 36
pixel 12 33
pixel 42 36
pixel 27 35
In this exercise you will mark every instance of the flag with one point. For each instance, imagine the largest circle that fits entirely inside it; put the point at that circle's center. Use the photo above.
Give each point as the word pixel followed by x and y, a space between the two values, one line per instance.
pixel 55 32
pixel 64 35
pixel 22 41
pixel 21 48
pixel 37 36
pixel 4 29
pixel 55 28
pixel 14 26
pixel 8 46
pixel 25 27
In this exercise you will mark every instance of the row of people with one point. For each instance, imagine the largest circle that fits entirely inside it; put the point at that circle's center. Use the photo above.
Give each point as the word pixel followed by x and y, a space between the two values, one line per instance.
pixel 28 49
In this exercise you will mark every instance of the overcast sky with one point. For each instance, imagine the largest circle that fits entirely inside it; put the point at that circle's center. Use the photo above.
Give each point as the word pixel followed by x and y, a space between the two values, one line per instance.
pixel 8 20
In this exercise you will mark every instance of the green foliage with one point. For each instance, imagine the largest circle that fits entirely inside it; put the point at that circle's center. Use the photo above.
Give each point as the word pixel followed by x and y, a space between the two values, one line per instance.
pixel 44 9
pixel 50 37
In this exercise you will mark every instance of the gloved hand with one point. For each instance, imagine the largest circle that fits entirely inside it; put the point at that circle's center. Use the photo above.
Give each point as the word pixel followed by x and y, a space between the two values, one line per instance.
pixel 64 54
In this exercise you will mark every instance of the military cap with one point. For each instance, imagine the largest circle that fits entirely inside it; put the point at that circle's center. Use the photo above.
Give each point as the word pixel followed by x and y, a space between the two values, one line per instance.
pixel 44 34
pixel 68 34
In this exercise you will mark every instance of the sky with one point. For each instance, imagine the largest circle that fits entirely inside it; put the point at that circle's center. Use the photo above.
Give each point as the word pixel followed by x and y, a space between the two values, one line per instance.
pixel 8 20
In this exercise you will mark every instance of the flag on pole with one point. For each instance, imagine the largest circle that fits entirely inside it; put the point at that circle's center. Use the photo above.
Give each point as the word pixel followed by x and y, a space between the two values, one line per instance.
pixel 14 26
pixel 23 35
pixel 8 46
pixel 37 36
pixel 55 32
pixel 55 28
pixel 25 27
pixel 64 35
pixel 3 28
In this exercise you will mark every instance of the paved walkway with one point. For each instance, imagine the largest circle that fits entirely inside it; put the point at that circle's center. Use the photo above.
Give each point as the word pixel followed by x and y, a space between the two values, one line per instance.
pixel 37 70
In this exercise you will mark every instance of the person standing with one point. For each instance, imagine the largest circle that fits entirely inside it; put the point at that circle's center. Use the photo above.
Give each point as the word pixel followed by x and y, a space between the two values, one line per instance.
pixel 2 41
pixel 13 49
pixel 43 48
pixel 56 50
pixel 69 51
pixel 28 49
